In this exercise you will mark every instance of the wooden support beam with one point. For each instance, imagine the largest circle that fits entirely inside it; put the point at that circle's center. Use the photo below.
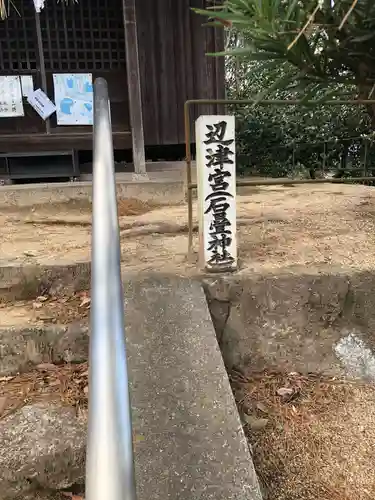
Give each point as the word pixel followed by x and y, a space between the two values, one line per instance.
pixel 41 63
pixel 134 87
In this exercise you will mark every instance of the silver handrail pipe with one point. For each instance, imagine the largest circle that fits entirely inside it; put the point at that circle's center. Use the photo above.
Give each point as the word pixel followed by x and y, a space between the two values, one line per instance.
pixel 109 460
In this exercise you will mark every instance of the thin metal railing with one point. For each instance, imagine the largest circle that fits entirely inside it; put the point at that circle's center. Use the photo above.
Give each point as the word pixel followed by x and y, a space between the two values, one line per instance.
pixel 109 461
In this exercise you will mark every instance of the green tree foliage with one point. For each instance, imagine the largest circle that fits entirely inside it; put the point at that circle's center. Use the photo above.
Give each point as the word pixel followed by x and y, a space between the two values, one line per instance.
pixel 280 140
pixel 319 43
pixel 287 49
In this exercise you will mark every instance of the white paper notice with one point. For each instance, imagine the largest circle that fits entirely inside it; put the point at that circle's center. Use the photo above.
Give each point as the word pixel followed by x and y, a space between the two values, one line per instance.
pixel 41 103
pixel 74 98
pixel 39 5
pixel 27 85
pixel 10 97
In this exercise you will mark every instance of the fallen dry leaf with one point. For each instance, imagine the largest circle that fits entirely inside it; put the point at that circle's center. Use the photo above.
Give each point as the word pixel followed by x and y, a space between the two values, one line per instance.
pixel 262 407
pixel 86 301
pixel 139 438
pixel 285 391
pixel 47 318
pixel 72 496
pixel 29 254
pixel 41 298
pixel 254 423
pixel 46 367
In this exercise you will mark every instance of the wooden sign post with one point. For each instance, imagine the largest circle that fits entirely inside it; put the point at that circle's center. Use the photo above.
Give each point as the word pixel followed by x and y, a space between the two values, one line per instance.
pixel 216 180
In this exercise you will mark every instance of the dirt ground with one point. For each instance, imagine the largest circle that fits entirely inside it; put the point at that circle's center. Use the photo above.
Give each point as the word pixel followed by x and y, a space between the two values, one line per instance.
pixel 278 227
pixel 312 437
pixel 46 310
pixel 65 384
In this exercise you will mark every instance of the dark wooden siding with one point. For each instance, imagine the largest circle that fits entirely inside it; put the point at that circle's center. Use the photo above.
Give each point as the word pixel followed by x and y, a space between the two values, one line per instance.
pixel 174 66
pixel 83 37
pixel 88 36
pixel 19 55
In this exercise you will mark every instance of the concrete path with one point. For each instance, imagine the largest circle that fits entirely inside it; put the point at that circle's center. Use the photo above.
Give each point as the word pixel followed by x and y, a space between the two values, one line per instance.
pixel 189 442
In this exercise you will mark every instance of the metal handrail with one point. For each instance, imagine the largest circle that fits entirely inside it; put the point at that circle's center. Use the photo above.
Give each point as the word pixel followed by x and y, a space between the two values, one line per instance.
pixel 109 461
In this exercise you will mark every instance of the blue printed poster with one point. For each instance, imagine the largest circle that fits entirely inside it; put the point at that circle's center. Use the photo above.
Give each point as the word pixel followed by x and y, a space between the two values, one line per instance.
pixel 74 98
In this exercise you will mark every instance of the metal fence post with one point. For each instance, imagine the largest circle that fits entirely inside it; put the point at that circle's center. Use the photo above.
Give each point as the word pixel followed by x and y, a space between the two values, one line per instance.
pixel 109 463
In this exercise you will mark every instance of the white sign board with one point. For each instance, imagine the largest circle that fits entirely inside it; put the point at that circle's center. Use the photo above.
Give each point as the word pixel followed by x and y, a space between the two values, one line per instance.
pixel 41 103
pixel 27 85
pixel 10 97
pixel 216 175
pixel 74 98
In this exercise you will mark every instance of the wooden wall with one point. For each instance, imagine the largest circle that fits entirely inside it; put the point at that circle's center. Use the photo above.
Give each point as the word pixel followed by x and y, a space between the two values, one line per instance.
pixel 174 66
pixel 77 37
pixel 88 36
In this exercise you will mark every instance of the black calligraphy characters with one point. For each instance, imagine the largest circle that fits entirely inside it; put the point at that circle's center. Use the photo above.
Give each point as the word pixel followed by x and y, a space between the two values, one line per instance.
pixel 219 155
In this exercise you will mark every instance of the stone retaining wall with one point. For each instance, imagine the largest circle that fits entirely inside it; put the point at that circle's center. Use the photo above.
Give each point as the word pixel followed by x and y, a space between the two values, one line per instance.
pixel 301 321
pixel 305 322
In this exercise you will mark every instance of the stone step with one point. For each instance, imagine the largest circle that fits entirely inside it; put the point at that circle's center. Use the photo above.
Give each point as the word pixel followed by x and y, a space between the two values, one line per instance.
pixel 188 437
pixel 191 442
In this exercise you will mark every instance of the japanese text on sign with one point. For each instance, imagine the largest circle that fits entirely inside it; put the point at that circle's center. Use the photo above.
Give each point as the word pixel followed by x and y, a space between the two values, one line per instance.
pixel 10 97
pixel 217 191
